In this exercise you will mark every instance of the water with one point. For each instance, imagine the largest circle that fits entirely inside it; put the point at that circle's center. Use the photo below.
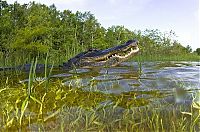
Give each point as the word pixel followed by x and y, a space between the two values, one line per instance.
pixel 109 92
pixel 165 77
pixel 178 82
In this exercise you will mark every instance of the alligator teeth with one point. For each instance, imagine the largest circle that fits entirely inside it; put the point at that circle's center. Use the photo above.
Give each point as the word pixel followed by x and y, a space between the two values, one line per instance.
pixel 131 52
pixel 127 55
pixel 136 50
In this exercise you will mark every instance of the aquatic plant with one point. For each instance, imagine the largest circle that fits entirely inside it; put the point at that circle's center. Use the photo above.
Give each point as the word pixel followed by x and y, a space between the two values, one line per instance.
pixel 67 108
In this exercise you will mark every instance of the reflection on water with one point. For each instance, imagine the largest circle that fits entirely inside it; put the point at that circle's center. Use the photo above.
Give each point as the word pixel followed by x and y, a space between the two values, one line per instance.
pixel 177 81
pixel 166 77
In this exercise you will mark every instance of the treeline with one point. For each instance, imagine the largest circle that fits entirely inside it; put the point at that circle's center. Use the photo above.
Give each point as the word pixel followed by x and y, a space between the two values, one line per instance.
pixel 33 30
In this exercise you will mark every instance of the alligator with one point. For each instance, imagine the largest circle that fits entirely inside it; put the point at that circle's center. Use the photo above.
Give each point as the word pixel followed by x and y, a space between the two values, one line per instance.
pixel 92 58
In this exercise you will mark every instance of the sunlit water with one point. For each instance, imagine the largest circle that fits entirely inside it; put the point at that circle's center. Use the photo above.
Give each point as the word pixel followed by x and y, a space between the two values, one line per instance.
pixel 178 80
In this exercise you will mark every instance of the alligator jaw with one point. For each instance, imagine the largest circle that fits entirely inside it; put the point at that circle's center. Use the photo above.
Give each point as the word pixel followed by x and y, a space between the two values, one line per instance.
pixel 119 54
pixel 108 57
pixel 112 56
pixel 133 51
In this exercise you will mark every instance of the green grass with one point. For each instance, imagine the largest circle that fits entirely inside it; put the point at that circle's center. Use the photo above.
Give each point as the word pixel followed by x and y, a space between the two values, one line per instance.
pixel 66 108
pixel 49 105
pixel 184 57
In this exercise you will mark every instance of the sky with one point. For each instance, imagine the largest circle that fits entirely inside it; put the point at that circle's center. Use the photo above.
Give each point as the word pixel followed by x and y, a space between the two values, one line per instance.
pixel 180 16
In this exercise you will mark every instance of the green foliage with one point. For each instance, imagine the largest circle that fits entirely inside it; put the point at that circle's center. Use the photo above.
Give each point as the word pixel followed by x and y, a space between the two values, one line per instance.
pixel 198 51
pixel 32 30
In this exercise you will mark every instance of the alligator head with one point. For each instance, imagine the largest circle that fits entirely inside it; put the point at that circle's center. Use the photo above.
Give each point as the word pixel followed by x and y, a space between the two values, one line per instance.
pixel 108 57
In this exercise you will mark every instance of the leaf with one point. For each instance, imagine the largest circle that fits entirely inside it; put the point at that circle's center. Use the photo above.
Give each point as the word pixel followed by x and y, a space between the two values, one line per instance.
pixel 98 123
pixel 2 89
pixel 196 105
pixel 36 100
pixel 23 108
pixel 9 123
pixel 41 105
pixel 52 115
pixel 187 113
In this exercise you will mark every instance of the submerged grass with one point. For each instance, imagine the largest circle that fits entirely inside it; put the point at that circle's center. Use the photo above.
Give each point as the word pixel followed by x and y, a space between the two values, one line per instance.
pixel 66 108
pixel 51 105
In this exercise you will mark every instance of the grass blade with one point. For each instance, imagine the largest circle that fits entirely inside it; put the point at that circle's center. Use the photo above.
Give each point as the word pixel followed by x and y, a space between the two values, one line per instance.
pixel 23 108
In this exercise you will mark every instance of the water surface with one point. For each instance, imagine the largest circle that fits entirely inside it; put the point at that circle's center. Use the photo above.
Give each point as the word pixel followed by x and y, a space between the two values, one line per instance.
pixel 70 96
pixel 165 77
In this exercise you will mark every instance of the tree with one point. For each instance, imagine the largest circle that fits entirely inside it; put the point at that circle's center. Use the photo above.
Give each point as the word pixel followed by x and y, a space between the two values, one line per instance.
pixel 188 49
pixel 34 29
pixel 33 38
pixel 198 51
pixel 6 29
